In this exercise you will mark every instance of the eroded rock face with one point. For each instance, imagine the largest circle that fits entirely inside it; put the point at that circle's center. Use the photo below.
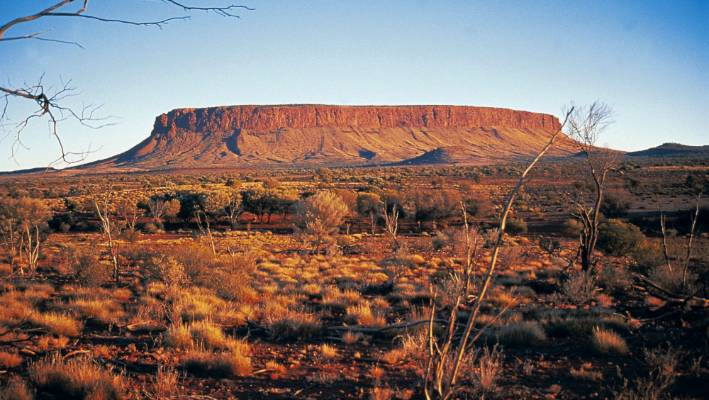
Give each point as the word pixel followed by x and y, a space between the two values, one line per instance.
pixel 320 116
pixel 251 135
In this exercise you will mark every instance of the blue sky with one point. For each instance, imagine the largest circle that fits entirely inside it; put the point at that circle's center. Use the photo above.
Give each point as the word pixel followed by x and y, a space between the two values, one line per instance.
pixel 649 60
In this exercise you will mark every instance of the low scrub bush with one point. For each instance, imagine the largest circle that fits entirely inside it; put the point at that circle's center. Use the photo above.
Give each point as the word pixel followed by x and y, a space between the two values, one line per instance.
pixel 618 238
pixel 522 333
pixel 75 379
pixel 516 226
pixel 579 288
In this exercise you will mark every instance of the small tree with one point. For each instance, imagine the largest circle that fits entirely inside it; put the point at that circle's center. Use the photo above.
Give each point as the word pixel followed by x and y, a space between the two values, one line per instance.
pixel 104 210
pixel 391 223
pixel 234 208
pixel 368 205
pixel 585 125
pixel 21 224
pixel 446 354
pixel 128 211
pixel 320 217
pixel 209 206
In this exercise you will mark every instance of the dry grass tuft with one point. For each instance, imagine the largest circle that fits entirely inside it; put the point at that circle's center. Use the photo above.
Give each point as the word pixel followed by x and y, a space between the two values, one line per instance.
pixel 381 393
pixel 16 389
pixel 487 369
pixel 351 337
pixel 178 336
pixel 74 379
pixel 9 360
pixel 364 315
pixel 217 365
pixel 55 323
pixel 165 384
pixel 328 351
pixel 522 333
pixel 103 310
pixel 606 341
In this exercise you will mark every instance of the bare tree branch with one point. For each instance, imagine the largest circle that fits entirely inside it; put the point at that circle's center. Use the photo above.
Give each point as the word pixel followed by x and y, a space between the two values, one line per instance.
pixel 50 105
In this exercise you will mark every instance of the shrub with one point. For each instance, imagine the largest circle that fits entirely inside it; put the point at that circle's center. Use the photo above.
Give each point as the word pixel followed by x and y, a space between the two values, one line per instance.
pixel 87 267
pixel 615 279
pixel 516 226
pixel 672 279
pixel 320 216
pixel 579 288
pixel 150 228
pixel 614 207
pixel 571 228
pixel 606 341
pixel 523 333
pixel 75 379
pixel 618 238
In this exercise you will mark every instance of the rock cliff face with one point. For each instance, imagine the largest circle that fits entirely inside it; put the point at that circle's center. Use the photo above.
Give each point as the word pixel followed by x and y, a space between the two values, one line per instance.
pixel 251 135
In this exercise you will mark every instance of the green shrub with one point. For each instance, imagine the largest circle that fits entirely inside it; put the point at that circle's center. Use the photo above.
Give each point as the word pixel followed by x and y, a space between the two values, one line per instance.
pixel 618 238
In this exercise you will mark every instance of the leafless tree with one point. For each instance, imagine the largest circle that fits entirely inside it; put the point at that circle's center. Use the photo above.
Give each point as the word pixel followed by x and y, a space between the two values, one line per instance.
pixel 50 101
pixel 446 356
pixel 586 125
pixel 391 224
pixel 104 211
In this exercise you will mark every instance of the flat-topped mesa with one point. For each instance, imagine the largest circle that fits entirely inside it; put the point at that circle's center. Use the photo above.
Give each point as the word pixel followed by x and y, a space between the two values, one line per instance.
pixel 313 134
pixel 270 117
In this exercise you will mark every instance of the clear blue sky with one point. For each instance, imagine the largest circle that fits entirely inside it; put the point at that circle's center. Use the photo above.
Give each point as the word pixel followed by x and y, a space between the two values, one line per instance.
pixel 649 60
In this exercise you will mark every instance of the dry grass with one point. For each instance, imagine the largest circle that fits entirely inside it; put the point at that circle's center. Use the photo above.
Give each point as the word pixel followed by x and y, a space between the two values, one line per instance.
pixel 207 334
pixel 275 367
pixel 55 323
pixel 46 343
pixel 165 384
pixel 217 365
pixel 364 315
pixel 9 360
pixel 293 325
pixel 585 372
pixel 328 351
pixel 178 336
pixel 16 389
pixel 381 393
pixel 106 311
pixel 74 379
pixel 522 333
pixel 351 338
pixel 606 341
pixel 487 369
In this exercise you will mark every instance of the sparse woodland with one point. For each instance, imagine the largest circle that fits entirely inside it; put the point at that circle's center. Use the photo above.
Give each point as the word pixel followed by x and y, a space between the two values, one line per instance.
pixel 355 283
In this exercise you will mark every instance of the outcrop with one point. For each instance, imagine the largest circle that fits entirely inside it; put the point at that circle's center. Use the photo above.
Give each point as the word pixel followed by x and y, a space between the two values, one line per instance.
pixel 253 135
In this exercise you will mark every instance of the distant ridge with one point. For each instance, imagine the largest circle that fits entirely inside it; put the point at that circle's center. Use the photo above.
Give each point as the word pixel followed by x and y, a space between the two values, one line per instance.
pixel 672 150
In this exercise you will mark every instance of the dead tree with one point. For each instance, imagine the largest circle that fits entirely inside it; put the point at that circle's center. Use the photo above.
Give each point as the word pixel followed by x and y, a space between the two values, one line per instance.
pixel 585 125
pixel 445 356
pixel 391 224
pixel 103 209
pixel 51 103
